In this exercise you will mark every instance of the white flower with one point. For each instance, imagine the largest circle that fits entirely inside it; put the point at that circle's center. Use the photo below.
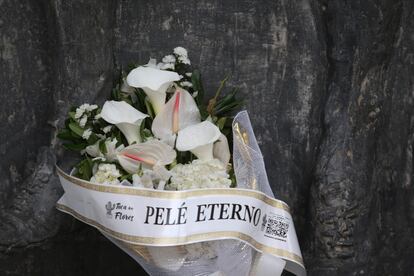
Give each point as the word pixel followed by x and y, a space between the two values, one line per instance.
pixel 198 139
pixel 106 174
pixel 79 112
pixel 107 129
pixel 98 116
pixel 86 134
pixel 199 174
pixel 166 66
pixel 179 112
pixel 149 154
pixel 186 84
pixel 180 51
pixel 168 59
pixel 82 121
pixel 184 60
pixel 111 150
pixel 189 74
pixel 154 82
pixel 221 150
pixel 125 117
pixel 151 63
pixel 195 94
pixel 91 107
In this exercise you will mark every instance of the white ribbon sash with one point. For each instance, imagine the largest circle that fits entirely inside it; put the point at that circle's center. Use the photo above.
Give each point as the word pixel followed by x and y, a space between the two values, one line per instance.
pixel 164 218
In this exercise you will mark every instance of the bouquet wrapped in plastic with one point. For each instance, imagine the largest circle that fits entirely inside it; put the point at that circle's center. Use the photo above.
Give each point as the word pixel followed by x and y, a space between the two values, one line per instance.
pixel 158 178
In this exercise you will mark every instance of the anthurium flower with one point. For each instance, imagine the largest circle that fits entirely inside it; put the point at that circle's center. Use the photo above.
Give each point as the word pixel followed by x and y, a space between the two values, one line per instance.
pixel 198 139
pixel 149 154
pixel 125 117
pixel 154 82
pixel 179 112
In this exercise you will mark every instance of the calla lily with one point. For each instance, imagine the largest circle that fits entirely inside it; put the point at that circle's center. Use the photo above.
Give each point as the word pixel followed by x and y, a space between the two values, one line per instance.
pixel 154 82
pixel 179 112
pixel 125 117
pixel 221 150
pixel 199 139
pixel 149 154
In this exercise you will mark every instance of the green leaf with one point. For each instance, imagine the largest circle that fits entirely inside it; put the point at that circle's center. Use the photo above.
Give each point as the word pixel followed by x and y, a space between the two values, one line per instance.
pixel 221 122
pixel 76 128
pixel 150 110
pixel 102 147
pixel 75 147
pixel 65 134
pixel 72 115
pixel 84 169
pixel 197 86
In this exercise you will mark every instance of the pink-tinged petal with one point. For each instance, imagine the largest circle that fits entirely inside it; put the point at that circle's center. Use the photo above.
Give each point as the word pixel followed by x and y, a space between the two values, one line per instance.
pixel 125 117
pixel 179 112
pixel 152 152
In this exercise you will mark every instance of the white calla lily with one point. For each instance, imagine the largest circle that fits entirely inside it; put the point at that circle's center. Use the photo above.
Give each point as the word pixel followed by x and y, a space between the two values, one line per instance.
pixel 125 117
pixel 154 82
pixel 221 150
pixel 148 154
pixel 180 112
pixel 198 139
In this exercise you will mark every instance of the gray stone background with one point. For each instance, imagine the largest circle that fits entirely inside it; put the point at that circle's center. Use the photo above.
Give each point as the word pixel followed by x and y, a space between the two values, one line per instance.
pixel 329 86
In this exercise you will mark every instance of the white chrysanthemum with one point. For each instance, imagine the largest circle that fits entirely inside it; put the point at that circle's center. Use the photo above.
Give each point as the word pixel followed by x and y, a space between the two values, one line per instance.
pixel 106 174
pixel 82 121
pixel 184 60
pixel 168 59
pixel 180 51
pixel 79 112
pixel 86 134
pixel 84 108
pixel 166 66
pixel 186 84
pixel 198 175
pixel 107 129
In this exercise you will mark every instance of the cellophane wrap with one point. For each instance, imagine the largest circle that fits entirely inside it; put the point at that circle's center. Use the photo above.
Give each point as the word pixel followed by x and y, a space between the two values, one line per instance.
pixel 222 256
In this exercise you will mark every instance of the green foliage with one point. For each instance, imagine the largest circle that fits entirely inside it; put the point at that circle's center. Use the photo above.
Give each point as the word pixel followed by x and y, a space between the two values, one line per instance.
pixel 219 109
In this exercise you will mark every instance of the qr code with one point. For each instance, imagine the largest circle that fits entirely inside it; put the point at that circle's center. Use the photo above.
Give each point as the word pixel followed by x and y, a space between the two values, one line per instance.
pixel 277 227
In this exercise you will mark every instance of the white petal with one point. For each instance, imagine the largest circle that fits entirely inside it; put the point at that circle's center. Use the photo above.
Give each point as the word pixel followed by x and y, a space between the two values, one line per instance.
pixel 125 117
pixel 146 154
pixel 188 114
pixel 121 112
pixel 197 135
pixel 152 80
pixel 204 152
pixel 221 150
pixel 131 132
pixel 93 150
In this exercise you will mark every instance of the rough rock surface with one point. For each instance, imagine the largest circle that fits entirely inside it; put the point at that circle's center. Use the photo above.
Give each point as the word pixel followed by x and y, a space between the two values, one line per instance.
pixel 330 91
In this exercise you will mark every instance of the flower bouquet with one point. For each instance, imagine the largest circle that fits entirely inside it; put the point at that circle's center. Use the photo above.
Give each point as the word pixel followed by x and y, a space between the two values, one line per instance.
pixel 157 177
